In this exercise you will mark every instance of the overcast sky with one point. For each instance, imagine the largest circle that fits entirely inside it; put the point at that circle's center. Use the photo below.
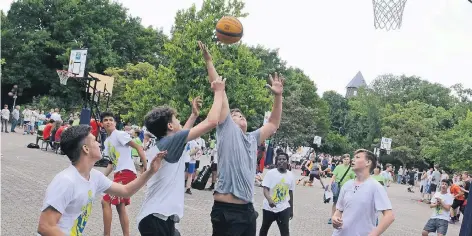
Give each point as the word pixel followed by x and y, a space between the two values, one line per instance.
pixel 333 40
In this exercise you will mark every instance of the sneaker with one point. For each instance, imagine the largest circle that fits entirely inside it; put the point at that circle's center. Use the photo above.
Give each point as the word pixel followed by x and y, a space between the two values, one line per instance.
pixel 329 222
pixel 188 191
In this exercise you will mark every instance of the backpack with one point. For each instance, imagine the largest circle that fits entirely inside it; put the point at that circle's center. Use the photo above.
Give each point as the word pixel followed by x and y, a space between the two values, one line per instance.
pixel 33 145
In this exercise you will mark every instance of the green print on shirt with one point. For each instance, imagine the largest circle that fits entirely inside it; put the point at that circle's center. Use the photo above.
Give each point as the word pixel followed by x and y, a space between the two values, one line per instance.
pixel 280 192
pixel 113 155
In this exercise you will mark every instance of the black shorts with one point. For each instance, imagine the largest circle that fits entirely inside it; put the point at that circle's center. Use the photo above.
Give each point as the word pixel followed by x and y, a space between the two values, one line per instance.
pixel 214 167
pixel 233 219
pixel 314 175
pixel 197 164
pixel 457 203
pixel 151 225
pixel 432 188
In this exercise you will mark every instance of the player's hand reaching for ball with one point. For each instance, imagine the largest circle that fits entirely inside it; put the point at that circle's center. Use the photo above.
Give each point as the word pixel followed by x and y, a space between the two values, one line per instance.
pixel 218 84
pixel 156 163
pixel 276 84
pixel 205 53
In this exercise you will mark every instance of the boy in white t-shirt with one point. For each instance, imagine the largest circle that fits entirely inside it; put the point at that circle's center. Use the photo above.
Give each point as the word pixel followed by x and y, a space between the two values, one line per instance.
pixel 69 196
pixel 360 199
pixel 5 117
pixel 441 203
pixel 118 147
pixel 192 148
pixel 278 192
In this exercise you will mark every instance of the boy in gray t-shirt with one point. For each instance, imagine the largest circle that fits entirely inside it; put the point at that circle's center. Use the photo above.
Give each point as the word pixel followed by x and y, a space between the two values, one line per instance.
pixel 360 199
pixel 233 212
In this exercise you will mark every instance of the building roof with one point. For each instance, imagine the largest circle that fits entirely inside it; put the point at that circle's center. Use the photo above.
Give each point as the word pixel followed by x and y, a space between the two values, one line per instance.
pixel 357 82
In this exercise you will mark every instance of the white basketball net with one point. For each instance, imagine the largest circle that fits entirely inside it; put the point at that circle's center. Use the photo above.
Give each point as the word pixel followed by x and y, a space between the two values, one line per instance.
pixel 63 76
pixel 388 14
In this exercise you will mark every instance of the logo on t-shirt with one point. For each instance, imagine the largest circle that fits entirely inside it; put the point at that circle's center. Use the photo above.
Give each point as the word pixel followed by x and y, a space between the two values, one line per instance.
pixel 81 221
pixel 113 155
pixel 280 191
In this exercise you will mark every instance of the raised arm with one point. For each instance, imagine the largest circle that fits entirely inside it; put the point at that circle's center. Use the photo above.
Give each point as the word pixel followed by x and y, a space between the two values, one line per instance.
pixel 130 189
pixel 276 86
pixel 212 76
pixel 212 119
pixel 196 105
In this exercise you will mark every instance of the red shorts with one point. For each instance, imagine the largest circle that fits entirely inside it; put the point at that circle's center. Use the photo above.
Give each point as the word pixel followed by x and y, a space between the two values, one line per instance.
pixel 121 177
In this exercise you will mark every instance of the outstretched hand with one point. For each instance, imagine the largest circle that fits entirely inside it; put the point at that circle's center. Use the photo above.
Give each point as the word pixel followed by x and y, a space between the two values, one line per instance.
pixel 218 84
pixel 276 84
pixel 156 163
pixel 205 53
pixel 196 105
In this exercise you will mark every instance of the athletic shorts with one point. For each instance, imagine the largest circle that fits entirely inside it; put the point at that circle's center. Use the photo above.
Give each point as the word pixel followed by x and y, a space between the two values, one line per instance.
pixel 191 168
pixel 457 203
pixel 436 225
pixel 314 175
pixel 214 167
pixel 186 166
pixel 432 188
pixel 122 177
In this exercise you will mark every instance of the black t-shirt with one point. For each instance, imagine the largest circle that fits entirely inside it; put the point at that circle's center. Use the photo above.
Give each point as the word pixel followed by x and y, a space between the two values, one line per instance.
pixel 467 187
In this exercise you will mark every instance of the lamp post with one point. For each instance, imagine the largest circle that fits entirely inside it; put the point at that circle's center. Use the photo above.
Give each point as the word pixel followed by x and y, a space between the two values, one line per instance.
pixel 15 92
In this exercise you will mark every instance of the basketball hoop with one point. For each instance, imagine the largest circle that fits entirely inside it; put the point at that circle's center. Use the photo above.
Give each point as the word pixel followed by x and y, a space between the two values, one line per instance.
pixel 388 14
pixel 63 76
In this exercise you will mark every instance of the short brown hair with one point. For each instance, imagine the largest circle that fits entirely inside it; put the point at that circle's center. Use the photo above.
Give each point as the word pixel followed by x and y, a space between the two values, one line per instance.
pixel 388 165
pixel 346 156
pixel 370 156
pixel 234 110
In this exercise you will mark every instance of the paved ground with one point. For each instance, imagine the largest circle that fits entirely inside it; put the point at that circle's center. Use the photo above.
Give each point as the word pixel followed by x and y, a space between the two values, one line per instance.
pixel 27 172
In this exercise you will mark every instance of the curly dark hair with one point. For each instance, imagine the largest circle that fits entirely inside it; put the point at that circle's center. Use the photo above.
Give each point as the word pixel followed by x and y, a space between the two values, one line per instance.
pixel 157 119
pixel 72 140
pixel 106 114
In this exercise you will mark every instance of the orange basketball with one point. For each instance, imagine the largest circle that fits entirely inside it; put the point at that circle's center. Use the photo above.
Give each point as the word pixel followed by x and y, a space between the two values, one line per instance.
pixel 229 30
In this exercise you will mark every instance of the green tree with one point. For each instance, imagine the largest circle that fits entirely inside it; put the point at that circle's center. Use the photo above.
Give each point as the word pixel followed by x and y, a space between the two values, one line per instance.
pixel 338 109
pixel 412 127
pixel 402 89
pixel 38 36
pixel 335 144
pixel 363 122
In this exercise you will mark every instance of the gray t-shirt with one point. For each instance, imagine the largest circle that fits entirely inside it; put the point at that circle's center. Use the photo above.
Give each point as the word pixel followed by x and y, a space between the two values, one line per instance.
pixel 174 145
pixel 359 205
pixel 236 160
pixel 436 177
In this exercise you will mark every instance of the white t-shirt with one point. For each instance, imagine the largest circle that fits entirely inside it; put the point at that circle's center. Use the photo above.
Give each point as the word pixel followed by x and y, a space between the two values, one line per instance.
pixel 200 142
pixel 279 186
pixel 214 153
pixel 164 194
pixel 359 205
pixel 72 195
pixel 439 212
pixel 119 152
pixel 188 148
pixel 55 116
pixel 5 114
pixel 27 115
pixel 386 175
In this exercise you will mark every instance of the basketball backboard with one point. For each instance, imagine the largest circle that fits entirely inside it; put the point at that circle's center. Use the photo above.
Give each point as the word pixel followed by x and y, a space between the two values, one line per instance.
pixel 104 82
pixel 78 58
